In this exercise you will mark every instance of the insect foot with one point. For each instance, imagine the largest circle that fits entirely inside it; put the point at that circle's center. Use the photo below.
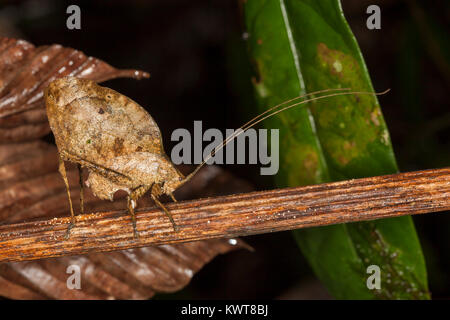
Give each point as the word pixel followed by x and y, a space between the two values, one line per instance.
pixel 71 225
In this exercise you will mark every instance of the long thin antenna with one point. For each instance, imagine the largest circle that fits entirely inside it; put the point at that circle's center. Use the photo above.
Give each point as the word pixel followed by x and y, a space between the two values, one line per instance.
pixel 252 122
pixel 259 118
pixel 249 124
pixel 291 100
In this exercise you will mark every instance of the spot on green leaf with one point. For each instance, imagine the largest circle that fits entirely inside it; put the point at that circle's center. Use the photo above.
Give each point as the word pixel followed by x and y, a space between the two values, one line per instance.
pixel 339 64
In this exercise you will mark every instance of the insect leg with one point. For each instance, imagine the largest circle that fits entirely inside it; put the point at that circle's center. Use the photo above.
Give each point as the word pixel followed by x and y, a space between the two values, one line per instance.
pixel 131 202
pixel 108 173
pixel 159 204
pixel 62 171
pixel 173 197
pixel 80 174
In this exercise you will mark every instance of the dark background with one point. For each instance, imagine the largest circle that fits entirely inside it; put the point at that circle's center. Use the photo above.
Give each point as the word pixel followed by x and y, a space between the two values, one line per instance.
pixel 196 56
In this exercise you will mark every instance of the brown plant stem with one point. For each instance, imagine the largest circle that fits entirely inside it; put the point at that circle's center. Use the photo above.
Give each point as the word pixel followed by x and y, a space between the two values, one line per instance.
pixel 231 216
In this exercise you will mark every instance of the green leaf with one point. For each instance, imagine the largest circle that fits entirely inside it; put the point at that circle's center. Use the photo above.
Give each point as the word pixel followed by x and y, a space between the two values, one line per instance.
pixel 300 46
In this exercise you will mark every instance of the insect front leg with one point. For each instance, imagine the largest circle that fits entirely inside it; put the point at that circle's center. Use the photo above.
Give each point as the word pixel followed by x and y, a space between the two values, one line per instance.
pixel 62 171
pixel 154 193
pixel 131 205
pixel 173 197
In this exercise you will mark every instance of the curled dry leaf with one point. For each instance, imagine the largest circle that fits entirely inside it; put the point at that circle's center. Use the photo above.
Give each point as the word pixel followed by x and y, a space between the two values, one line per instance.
pixel 128 274
pixel 25 70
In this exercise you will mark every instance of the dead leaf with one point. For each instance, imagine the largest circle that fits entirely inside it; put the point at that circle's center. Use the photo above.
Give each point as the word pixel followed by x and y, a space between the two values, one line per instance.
pixel 25 70
pixel 128 274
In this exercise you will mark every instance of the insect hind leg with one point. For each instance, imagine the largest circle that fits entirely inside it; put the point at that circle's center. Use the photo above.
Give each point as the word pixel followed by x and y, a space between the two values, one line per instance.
pixel 131 204
pixel 62 171
pixel 80 175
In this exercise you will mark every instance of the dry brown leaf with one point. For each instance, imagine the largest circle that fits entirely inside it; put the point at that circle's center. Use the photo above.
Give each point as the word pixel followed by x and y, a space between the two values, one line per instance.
pixel 128 274
pixel 25 70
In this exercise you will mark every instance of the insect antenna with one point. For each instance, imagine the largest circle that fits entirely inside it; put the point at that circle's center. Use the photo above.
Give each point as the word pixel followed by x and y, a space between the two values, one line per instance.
pixel 273 111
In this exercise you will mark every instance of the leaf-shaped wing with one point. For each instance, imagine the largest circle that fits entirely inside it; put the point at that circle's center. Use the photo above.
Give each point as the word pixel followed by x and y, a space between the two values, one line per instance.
pixel 97 123
pixel 25 70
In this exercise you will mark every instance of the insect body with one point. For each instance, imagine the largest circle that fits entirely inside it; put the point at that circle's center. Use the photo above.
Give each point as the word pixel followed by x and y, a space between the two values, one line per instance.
pixel 113 137
pixel 119 142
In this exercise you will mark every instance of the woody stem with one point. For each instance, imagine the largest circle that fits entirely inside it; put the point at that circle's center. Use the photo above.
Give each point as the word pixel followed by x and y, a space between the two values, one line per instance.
pixel 231 216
